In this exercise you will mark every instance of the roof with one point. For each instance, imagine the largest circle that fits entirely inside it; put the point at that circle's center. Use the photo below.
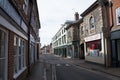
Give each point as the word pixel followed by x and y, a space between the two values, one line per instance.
pixel 69 24
pixel 90 8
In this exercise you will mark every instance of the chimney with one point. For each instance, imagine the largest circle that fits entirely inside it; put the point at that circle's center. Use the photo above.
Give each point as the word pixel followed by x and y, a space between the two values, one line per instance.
pixel 76 16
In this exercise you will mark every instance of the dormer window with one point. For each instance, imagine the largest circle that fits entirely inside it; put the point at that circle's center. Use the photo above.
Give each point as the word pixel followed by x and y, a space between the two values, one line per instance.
pixel 92 23
pixel 25 6
pixel 118 16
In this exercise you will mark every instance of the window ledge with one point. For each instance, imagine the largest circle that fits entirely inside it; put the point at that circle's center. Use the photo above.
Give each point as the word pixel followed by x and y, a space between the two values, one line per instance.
pixel 20 72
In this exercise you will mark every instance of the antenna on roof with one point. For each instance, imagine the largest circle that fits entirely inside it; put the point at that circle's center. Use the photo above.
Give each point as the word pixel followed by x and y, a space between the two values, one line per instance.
pixel 74 10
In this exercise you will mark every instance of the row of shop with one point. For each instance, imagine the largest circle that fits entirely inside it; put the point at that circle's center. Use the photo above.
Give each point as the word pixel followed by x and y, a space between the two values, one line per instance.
pixel 93 50
pixel 94 37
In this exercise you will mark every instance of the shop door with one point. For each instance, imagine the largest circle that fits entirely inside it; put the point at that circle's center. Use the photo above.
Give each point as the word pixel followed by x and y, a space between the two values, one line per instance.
pixel 118 52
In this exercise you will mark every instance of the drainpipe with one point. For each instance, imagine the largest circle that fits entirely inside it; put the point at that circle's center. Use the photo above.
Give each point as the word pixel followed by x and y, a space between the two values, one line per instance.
pixel 112 22
pixel 104 15
pixel 107 38
pixel 29 37
pixel 111 11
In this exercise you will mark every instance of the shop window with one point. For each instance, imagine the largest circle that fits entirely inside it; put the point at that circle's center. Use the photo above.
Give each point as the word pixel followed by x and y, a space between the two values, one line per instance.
pixel 19 55
pixel 118 16
pixel 3 58
pixel 93 48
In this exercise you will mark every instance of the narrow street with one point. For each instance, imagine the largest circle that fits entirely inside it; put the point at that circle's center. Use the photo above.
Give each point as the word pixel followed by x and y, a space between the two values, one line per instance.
pixel 57 68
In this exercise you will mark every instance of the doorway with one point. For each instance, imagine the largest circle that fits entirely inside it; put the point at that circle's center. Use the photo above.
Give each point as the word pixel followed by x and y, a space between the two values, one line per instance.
pixel 118 53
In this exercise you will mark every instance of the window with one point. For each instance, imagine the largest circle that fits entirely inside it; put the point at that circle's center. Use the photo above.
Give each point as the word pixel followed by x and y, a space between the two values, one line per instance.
pixel 25 6
pixel 64 38
pixel 32 53
pixel 82 30
pixel 60 41
pixel 92 23
pixel 3 56
pixel 118 16
pixel 19 55
pixel 69 34
pixel 94 48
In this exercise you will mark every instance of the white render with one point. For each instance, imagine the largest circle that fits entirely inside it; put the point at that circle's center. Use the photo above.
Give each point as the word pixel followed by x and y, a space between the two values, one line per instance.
pixel 61 33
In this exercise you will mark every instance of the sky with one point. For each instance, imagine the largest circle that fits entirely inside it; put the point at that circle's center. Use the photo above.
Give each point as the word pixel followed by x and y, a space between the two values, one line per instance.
pixel 53 13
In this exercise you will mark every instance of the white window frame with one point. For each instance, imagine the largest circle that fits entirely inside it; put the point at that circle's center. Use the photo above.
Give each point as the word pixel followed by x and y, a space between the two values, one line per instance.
pixel 20 54
pixel 117 14
pixel 6 52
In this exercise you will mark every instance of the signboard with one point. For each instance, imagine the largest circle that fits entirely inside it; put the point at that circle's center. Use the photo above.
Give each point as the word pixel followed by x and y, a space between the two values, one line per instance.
pixel 92 38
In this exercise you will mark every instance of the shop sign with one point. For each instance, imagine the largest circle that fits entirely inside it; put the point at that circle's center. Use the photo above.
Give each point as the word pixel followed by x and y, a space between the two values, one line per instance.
pixel 92 38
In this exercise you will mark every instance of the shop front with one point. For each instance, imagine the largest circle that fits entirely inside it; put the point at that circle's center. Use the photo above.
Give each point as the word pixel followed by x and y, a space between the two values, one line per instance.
pixel 69 51
pixel 3 53
pixel 115 42
pixel 93 49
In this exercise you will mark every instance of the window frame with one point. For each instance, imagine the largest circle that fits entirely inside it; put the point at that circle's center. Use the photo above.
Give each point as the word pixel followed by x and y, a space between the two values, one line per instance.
pixel 92 22
pixel 117 14
pixel 82 30
pixel 20 55
pixel 6 52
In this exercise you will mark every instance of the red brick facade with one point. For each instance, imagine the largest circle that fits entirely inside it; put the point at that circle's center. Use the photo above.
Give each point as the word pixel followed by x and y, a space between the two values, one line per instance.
pixel 19 24
pixel 10 55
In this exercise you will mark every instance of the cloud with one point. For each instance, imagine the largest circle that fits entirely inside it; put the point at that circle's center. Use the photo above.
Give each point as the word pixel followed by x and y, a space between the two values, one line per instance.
pixel 54 13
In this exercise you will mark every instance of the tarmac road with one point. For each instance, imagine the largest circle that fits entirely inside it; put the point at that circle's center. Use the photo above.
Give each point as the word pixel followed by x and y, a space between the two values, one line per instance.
pixel 70 72
pixel 59 69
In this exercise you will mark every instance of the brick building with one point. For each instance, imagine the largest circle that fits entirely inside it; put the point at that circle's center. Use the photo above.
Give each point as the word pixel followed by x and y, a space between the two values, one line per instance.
pixel 19 38
pixel 114 29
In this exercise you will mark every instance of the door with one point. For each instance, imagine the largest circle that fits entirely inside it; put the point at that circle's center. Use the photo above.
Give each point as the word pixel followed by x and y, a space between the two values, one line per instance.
pixel 118 52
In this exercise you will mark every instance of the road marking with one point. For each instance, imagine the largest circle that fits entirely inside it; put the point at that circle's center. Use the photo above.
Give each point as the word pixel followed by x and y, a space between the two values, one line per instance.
pixel 45 74
pixel 58 64
pixel 53 72
pixel 62 65
pixel 67 65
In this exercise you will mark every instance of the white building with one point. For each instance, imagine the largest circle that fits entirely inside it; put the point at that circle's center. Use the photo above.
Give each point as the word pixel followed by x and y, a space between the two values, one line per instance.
pixel 59 42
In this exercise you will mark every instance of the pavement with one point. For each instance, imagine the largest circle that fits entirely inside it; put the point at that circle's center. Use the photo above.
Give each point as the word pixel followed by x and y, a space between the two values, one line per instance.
pixel 37 72
pixel 114 71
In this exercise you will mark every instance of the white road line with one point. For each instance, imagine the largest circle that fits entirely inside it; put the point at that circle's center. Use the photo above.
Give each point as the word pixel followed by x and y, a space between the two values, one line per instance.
pixel 53 72
pixel 58 64
pixel 45 78
pixel 67 65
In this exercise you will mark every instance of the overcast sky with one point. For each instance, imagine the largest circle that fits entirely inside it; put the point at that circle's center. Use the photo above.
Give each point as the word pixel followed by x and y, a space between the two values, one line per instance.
pixel 53 13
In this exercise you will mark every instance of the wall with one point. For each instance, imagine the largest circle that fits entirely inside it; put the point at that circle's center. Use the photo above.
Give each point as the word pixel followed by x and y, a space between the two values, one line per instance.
pixel 92 34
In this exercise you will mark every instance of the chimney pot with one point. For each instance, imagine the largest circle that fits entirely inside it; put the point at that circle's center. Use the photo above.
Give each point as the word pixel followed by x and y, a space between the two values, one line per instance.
pixel 76 16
